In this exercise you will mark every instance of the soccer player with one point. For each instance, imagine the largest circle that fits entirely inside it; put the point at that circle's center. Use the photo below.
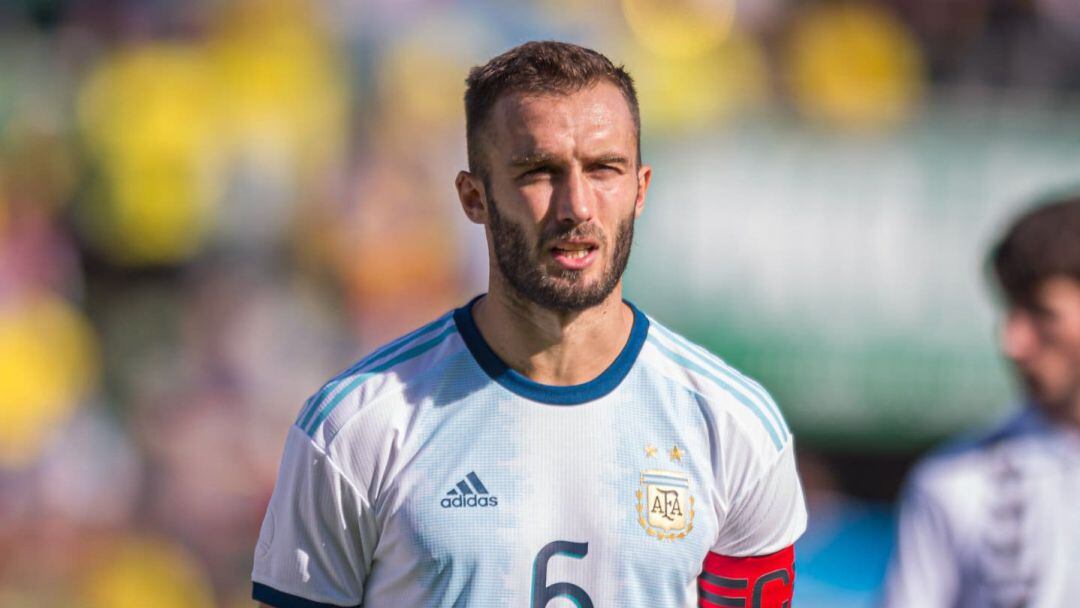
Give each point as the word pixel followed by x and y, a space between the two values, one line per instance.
pixel 995 521
pixel 547 443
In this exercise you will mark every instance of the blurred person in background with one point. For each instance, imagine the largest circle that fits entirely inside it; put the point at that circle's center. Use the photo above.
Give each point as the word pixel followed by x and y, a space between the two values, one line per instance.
pixel 996 521
pixel 547 440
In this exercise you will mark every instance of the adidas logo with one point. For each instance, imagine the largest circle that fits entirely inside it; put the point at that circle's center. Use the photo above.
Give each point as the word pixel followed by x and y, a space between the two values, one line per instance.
pixel 470 492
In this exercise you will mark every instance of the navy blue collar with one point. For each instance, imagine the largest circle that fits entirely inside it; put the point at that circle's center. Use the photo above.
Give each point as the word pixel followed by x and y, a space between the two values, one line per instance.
pixel 517 383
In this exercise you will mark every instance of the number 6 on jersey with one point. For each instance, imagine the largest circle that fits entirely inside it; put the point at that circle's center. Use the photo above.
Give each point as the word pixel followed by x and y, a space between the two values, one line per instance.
pixel 542 593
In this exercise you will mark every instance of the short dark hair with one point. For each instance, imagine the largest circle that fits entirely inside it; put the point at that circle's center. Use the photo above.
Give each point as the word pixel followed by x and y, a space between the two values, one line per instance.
pixel 538 67
pixel 1042 243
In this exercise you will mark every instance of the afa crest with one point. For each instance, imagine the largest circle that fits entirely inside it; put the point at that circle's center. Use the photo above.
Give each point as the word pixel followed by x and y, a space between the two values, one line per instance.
pixel 665 507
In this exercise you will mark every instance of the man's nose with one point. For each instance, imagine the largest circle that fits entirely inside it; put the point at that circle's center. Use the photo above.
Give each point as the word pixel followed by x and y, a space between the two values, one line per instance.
pixel 1019 336
pixel 575 199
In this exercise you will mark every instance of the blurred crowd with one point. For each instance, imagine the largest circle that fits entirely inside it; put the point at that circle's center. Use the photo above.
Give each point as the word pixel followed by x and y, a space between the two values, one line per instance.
pixel 207 208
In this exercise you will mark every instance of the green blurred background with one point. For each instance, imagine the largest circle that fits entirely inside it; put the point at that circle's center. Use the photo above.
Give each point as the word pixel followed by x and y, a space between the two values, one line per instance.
pixel 209 207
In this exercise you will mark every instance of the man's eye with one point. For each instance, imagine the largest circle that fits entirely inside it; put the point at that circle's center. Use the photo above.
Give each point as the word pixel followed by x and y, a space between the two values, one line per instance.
pixel 539 172
pixel 1043 313
pixel 606 170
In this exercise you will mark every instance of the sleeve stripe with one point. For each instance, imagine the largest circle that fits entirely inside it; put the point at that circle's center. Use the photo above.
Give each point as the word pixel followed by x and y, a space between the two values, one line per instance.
pixel 721 581
pixel 359 379
pixel 694 367
pixel 711 361
pixel 727 602
pixel 316 401
pixel 279 599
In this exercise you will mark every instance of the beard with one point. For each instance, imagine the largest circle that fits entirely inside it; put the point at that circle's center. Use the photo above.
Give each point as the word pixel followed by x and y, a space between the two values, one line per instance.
pixel 564 290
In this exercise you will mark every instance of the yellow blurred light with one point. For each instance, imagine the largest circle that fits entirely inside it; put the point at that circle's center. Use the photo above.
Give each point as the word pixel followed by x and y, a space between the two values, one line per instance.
pixel 854 65
pixel 680 28
pixel 281 80
pixel 151 121
pixel 47 364
pixel 691 92
pixel 142 572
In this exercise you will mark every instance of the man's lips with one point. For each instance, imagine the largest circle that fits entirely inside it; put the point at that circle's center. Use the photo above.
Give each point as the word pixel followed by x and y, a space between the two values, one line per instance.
pixel 574 255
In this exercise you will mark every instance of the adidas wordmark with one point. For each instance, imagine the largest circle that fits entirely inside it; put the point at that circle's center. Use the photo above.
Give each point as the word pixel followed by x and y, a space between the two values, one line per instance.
pixel 470 492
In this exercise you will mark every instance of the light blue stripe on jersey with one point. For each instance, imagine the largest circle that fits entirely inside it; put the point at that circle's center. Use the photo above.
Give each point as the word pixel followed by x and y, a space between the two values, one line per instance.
pixel 665 480
pixel 731 373
pixel 358 379
pixel 388 349
pixel 697 368
pixel 315 402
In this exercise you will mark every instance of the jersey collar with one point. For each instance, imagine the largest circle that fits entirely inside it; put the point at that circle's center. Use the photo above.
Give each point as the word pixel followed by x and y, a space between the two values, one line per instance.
pixel 518 384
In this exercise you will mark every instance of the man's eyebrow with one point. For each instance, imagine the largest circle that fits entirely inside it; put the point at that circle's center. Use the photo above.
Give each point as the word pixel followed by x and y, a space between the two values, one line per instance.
pixel 613 158
pixel 530 159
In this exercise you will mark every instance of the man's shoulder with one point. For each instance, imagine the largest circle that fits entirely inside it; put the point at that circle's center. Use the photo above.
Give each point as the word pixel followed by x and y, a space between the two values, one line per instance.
pixel 964 466
pixel 382 377
pixel 725 394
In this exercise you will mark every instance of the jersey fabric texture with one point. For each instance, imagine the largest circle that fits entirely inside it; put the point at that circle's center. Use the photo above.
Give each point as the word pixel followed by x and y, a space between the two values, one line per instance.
pixel 432 474
pixel 992 522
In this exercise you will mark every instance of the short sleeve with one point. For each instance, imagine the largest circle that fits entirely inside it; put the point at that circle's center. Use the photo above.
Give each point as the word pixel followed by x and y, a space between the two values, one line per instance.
pixel 768 514
pixel 923 569
pixel 318 536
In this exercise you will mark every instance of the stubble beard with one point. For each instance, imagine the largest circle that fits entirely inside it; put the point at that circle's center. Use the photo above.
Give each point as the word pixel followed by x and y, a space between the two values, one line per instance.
pixel 519 262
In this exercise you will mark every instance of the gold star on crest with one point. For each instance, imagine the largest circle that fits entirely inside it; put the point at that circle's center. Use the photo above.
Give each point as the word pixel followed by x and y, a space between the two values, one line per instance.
pixel 676 454
pixel 650 451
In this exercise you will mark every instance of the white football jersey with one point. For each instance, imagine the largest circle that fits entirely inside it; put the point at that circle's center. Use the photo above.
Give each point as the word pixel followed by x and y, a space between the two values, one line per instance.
pixel 432 474
pixel 993 522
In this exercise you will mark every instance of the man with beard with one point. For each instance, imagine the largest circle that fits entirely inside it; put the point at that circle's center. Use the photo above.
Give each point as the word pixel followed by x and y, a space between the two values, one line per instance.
pixel 547 442
pixel 995 520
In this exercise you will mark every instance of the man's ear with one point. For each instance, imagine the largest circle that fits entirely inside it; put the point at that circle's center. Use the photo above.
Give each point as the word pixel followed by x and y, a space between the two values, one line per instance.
pixel 644 179
pixel 470 189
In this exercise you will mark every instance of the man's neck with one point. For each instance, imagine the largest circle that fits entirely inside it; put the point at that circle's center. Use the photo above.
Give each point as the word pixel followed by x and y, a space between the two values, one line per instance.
pixel 1064 415
pixel 551 347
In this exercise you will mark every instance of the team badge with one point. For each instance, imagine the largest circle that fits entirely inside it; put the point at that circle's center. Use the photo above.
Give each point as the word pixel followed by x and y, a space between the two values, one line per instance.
pixel 665 507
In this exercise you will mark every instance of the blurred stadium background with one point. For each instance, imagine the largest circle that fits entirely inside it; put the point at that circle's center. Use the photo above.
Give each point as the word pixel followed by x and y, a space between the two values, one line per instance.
pixel 207 208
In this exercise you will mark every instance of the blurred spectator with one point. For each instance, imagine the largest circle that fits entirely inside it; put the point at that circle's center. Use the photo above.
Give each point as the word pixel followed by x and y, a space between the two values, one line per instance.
pixel 994 521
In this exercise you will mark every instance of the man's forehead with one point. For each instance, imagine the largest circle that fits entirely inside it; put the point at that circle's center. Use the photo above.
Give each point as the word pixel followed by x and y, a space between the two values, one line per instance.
pixel 527 114
pixel 599 95
pixel 1047 292
pixel 1061 287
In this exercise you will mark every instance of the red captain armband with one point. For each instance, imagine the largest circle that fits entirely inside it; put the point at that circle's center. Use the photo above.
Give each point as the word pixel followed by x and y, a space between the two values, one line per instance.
pixel 765 581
